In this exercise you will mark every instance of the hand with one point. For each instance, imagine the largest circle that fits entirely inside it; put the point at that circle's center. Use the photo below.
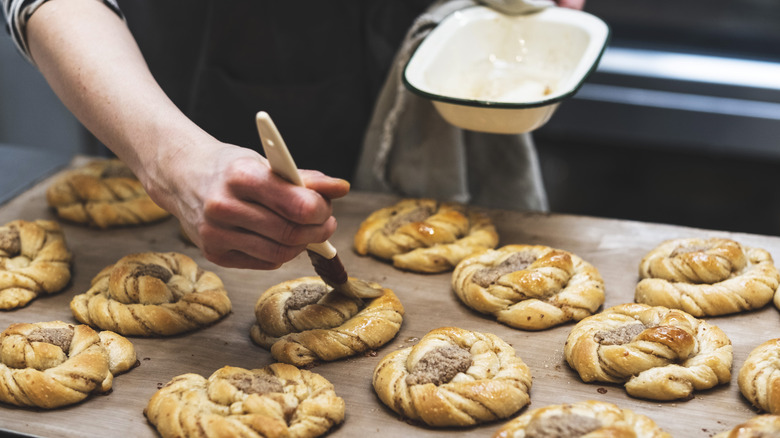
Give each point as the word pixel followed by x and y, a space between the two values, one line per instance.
pixel 229 203
pixel 238 212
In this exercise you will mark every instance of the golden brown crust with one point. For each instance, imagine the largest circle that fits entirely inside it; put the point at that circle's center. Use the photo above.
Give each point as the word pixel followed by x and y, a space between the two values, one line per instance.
pixel 761 426
pixel 659 353
pixel 34 260
pixel 707 277
pixel 152 294
pixel 276 401
pixel 103 194
pixel 54 364
pixel 494 385
pixel 423 235
pixel 759 377
pixel 330 328
pixel 531 287
pixel 777 299
pixel 599 418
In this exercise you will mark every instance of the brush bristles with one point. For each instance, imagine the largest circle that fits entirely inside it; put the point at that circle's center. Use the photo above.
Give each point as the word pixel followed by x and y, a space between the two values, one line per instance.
pixel 334 275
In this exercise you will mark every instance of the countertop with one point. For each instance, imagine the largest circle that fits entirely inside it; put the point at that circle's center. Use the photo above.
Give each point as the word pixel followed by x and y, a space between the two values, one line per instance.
pixel 614 247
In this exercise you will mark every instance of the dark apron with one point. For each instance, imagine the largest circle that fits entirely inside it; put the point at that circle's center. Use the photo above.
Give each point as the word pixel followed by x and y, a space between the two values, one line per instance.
pixel 315 67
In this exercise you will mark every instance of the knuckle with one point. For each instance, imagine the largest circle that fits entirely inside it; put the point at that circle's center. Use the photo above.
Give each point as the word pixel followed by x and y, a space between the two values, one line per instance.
pixel 308 210
pixel 280 254
pixel 290 233
pixel 216 207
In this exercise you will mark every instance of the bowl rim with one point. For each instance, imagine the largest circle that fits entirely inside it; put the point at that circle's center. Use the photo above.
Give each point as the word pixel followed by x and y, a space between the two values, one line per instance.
pixel 505 105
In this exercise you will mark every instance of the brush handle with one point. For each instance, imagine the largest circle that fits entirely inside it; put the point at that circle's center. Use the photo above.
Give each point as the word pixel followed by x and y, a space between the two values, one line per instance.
pixel 282 164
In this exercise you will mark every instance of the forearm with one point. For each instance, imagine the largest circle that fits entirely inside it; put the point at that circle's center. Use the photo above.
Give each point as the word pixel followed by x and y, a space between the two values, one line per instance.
pixel 92 62
pixel 228 201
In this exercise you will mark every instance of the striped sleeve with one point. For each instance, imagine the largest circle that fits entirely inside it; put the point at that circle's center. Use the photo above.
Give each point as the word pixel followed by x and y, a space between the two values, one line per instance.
pixel 18 12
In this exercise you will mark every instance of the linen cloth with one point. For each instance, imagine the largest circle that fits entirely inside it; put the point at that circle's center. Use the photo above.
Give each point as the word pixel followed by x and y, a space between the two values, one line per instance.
pixel 410 150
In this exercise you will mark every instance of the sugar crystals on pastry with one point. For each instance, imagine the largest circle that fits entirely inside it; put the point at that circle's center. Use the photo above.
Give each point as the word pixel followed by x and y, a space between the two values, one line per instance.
pixel 304 320
pixel 657 352
pixel 530 287
pixel 454 377
pixel 707 277
pixel 424 235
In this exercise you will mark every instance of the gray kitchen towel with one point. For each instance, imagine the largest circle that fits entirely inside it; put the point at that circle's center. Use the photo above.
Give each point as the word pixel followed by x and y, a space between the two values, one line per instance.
pixel 410 150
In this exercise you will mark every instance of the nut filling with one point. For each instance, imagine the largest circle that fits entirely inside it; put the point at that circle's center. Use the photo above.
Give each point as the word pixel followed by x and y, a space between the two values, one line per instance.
pixel 439 366
pixel 152 270
pixel 10 242
pixel 416 215
pixel 619 336
pixel 516 262
pixel 305 294
pixel 256 383
pixel 561 426
pixel 61 337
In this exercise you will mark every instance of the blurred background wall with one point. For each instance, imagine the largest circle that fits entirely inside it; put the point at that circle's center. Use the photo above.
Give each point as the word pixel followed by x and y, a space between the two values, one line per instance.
pixel 680 124
pixel 37 133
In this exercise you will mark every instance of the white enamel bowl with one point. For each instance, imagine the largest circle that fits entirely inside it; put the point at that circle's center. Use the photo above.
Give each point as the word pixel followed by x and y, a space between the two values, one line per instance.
pixel 490 72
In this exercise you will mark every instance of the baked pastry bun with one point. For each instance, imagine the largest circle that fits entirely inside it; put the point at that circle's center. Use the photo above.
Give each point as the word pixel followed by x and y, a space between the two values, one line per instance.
pixel 454 377
pixel 423 235
pixel 304 321
pixel 707 277
pixel 530 287
pixel 761 426
pixel 759 377
pixel 152 294
pixel 276 401
pixel 34 260
pixel 777 299
pixel 53 364
pixel 585 418
pixel 659 353
pixel 103 194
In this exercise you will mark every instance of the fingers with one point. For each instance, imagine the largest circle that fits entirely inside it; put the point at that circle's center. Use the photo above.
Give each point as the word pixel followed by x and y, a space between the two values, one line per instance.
pixel 228 212
pixel 242 215
pixel 235 248
pixel 254 182
pixel 254 219
pixel 330 188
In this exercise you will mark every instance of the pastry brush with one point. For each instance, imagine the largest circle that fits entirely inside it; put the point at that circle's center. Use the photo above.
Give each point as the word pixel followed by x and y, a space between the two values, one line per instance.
pixel 323 255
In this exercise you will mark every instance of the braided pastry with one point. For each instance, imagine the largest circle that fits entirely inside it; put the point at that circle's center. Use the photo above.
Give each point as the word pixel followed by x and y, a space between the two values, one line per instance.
pixel 759 377
pixel 422 235
pixel 529 287
pixel 103 193
pixel 276 401
pixel 761 426
pixel 303 320
pixel 54 364
pixel 34 260
pixel 707 277
pixel 152 294
pixel 777 299
pixel 454 377
pixel 585 418
pixel 660 353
